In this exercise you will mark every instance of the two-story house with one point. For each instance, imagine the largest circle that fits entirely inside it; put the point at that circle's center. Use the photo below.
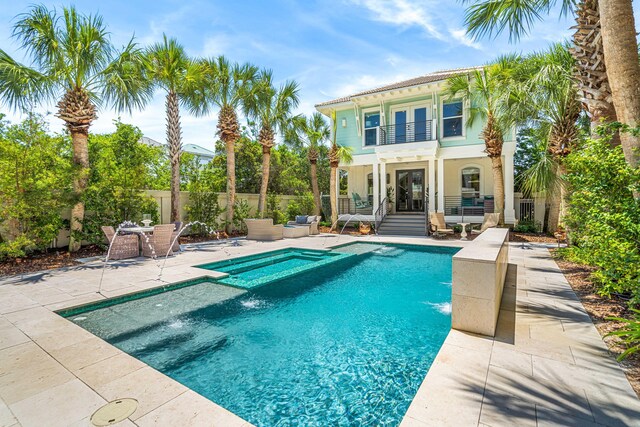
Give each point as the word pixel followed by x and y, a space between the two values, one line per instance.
pixel 413 152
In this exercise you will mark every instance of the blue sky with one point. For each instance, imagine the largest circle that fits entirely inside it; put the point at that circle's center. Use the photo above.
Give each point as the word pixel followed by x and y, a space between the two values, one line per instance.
pixel 332 48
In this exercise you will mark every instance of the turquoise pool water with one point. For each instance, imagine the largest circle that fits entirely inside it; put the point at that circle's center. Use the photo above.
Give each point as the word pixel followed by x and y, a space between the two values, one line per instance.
pixel 257 270
pixel 346 344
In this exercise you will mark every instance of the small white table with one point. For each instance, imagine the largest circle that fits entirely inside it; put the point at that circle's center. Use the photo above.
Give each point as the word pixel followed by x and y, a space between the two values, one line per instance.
pixel 463 235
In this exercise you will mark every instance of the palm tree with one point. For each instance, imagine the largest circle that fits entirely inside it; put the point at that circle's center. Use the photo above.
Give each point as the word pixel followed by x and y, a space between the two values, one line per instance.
pixel 589 68
pixel 72 61
pixel 169 68
pixel 544 96
pixel 228 85
pixel 337 154
pixel 271 108
pixel 620 48
pixel 312 132
pixel 619 52
pixel 489 102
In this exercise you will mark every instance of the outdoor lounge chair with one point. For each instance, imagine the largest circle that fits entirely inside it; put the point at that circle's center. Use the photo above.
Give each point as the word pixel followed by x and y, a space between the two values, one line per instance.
pixel 263 229
pixel 360 204
pixel 124 246
pixel 490 220
pixel 311 223
pixel 438 224
pixel 159 243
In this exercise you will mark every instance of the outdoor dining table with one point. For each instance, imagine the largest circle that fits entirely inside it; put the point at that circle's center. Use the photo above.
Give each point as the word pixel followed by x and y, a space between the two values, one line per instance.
pixel 140 231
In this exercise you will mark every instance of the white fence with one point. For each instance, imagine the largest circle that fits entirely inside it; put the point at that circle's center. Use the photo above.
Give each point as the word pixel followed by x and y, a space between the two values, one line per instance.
pixel 163 198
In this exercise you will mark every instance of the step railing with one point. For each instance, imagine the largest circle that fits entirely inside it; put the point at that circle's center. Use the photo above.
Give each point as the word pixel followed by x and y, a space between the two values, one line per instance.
pixel 381 212
pixel 427 220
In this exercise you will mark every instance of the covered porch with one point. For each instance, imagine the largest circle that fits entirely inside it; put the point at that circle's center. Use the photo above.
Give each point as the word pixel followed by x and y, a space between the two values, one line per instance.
pixel 457 181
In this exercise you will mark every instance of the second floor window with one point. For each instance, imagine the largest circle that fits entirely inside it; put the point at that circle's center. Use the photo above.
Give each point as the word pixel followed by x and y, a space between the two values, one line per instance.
pixel 452 119
pixel 371 123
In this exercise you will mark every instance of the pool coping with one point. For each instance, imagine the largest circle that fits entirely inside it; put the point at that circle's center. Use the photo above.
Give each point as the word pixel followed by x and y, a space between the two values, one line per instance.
pixel 65 358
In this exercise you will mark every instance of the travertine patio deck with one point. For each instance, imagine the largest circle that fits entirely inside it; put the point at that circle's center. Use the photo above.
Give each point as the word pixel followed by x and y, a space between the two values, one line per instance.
pixel 548 363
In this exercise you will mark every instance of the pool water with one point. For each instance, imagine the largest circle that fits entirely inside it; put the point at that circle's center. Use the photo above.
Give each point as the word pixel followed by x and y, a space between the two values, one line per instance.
pixel 346 345
pixel 257 270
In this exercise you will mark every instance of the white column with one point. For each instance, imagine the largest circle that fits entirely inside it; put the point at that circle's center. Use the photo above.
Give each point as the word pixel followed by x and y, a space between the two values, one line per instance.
pixel 509 211
pixel 376 186
pixel 432 185
pixel 440 185
pixel 383 180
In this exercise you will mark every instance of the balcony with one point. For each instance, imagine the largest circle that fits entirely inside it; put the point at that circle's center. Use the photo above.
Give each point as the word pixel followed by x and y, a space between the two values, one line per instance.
pixel 407 132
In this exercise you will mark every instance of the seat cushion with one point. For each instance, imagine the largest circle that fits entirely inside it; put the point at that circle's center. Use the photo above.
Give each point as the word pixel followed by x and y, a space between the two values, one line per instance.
pixel 301 219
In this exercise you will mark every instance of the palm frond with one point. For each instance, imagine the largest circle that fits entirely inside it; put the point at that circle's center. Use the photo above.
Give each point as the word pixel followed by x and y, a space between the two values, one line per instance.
pixel 493 17
pixel 124 81
pixel 21 85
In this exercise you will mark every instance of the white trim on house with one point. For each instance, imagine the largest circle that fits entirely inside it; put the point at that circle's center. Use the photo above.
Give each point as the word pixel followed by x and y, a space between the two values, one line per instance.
pixel 468 166
pixel 364 111
pixel 465 116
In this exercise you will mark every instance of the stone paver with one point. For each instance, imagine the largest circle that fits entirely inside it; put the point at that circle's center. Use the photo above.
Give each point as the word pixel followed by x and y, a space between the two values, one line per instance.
pixel 546 366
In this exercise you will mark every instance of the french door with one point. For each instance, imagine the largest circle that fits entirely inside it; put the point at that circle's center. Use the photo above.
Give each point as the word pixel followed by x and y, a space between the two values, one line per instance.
pixel 410 190
pixel 411 124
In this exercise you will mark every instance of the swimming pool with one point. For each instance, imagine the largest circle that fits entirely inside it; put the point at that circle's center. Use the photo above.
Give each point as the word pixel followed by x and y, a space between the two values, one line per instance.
pixel 345 345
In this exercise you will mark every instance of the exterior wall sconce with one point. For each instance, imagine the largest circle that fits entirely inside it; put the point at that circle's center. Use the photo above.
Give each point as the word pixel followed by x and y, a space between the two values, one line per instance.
pixel 344 123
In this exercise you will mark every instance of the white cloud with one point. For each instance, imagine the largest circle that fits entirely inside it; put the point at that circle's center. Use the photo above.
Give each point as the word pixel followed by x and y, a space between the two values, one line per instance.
pixel 401 13
pixel 462 36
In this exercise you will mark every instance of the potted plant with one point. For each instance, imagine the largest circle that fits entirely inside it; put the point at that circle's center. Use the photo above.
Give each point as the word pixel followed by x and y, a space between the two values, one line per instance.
pixel 390 198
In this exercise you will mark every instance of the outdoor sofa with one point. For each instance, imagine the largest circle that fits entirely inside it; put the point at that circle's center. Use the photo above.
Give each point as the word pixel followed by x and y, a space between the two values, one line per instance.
pixel 263 229
pixel 311 222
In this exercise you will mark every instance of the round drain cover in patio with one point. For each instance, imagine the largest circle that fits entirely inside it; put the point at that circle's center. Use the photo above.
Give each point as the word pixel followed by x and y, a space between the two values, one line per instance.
pixel 114 412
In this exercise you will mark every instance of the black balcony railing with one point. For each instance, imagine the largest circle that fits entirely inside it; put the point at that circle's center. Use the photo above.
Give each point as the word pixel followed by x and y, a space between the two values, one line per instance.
pixel 468 206
pixel 406 132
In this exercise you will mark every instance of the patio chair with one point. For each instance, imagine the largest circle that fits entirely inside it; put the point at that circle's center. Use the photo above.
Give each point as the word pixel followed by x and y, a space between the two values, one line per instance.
pixel 311 222
pixel 159 243
pixel 438 224
pixel 124 246
pixel 490 220
pixel 360 204
pixel 263 229
pixel 174 236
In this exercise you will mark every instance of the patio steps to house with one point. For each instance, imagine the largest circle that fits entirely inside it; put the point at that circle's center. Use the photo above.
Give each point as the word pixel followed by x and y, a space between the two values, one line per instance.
pixel 403 225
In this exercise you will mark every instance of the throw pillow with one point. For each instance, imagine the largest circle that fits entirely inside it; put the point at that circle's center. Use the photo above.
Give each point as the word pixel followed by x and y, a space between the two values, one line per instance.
pixel 301 219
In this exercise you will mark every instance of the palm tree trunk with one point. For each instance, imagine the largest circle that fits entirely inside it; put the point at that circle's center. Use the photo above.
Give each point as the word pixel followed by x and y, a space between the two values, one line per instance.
pixel 333 196
pixel 81 161
pixel 231 183
pixel 623 69
pixel 313 170
pixel 174 138
pixel 498 186
pixel 266 164
pixel 554 211
pixel 590 70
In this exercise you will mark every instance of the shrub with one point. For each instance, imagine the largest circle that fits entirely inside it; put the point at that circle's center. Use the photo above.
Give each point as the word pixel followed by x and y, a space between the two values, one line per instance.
pixel 120 170
pixel 273 209
pixel 630 334
pixel 302 204
pixel 241 211
pixel 527 227
pixel 35 180
pixel 603 218
pixel 203 199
